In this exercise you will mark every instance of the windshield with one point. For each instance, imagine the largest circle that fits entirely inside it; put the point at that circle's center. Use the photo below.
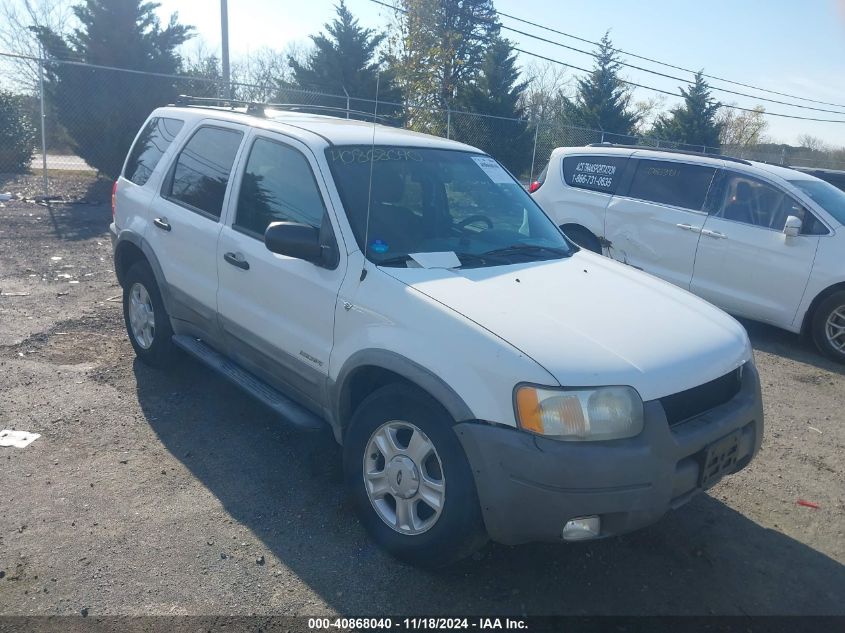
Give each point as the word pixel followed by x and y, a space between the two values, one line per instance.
pixel 434 201
pixel 825 195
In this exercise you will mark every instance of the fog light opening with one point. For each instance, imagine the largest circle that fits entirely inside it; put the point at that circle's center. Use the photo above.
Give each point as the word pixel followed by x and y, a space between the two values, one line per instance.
pixel 582 528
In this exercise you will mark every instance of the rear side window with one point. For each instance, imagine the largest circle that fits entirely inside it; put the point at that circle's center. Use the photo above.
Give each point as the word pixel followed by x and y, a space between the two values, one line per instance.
pixel 278 186
pixel 202 169
pixel 147 151
pixel 596 173
pixel 676 184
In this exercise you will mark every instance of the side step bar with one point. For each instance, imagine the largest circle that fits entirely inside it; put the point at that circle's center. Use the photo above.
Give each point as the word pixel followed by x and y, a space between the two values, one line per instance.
pixel 291 411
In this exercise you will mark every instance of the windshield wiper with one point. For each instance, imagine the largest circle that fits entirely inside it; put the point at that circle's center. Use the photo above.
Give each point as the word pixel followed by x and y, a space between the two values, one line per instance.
pixel 528 249
pixel 393 261
pixel 471 259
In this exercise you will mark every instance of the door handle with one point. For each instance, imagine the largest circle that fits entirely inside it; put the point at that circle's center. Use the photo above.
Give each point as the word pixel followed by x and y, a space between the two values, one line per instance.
pixel 162 223
pixel 689 227
pixel 716 234
pixel 236 260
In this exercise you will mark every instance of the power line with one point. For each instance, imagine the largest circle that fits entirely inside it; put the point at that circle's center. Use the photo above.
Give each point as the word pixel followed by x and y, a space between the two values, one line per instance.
pixel 667 64
pixel 652 88
pixel 659 74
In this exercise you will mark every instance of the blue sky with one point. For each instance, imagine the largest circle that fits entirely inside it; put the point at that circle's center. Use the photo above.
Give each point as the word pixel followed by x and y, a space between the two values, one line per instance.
pixel 792 46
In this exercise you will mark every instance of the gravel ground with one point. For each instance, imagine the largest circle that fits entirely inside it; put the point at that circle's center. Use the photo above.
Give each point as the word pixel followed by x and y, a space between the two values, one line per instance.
pixel 170 492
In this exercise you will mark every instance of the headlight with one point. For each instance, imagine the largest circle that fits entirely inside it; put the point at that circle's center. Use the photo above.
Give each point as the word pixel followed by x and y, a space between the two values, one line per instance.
pixel 603 413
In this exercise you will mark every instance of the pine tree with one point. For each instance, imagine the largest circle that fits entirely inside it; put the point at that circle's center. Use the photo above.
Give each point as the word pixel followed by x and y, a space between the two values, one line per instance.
pixel 103 109
pixel 602 101
pixel 344 59
pixel 497 92
pixel 694 122
pixel 439 46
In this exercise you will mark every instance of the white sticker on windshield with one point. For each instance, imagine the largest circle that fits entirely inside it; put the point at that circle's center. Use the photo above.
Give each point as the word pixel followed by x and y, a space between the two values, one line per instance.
pixel 446 259
pixel 493 169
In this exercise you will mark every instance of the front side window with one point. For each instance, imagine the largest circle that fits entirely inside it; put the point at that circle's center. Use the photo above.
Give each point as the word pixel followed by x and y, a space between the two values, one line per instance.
pixel 752 201
pixel 596 173
pixel 676 184
pixel 151 145
pixel 202 169
pixel 278 186
pixel 434 200
pixel 825 195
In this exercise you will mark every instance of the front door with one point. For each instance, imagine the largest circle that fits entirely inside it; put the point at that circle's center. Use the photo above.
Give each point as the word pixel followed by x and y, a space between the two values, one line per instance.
pixel 277 312
pixel 745 264
pixel 655 225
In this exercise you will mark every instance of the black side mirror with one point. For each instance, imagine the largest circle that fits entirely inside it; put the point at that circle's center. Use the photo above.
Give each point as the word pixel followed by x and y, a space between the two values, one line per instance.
pixel 294 240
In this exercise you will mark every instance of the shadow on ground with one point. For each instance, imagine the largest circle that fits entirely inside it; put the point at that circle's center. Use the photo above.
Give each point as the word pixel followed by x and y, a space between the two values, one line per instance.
pixel 285 486
pixel 773 340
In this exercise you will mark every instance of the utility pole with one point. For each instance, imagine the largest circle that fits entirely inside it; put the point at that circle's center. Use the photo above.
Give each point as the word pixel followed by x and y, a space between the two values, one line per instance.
pixel 224 28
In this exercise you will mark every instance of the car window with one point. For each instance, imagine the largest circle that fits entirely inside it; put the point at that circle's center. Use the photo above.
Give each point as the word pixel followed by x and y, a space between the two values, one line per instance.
pixel 278 186
pixel 404 200
pixel 150 146
pixel 202 169
pixel 752 201
pixel 596 173
pixel 825 195
pixel 666 182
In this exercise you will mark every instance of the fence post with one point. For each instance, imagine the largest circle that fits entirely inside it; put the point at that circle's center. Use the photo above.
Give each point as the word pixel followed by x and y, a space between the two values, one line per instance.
pixel 448 122
pixel 534 152
pixel 43 120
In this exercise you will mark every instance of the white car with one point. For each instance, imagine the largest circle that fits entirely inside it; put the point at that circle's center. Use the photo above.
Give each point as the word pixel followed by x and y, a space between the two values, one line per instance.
pixel 485 377
pixel 757 240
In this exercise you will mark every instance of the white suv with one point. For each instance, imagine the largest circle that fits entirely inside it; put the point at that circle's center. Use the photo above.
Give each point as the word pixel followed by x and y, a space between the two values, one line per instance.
pixel 484 375
pixel 759 241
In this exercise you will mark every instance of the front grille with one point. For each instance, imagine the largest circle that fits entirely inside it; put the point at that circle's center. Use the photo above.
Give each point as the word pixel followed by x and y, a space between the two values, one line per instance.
pixel 682 406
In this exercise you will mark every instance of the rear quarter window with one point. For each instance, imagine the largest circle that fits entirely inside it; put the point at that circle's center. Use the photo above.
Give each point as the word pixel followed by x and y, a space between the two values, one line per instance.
pixel 150 146
pixel 594 173
pixel 676 184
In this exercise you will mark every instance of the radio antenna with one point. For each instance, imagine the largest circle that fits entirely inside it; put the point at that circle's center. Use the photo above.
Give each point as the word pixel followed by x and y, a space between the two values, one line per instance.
pixel 370 189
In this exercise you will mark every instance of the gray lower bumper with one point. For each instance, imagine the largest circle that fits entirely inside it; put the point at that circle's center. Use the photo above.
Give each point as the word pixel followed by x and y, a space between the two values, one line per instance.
pixel 530 486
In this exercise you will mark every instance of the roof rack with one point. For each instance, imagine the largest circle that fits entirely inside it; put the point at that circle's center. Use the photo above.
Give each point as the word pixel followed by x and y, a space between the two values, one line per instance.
pixel 672 151
pixel 258 108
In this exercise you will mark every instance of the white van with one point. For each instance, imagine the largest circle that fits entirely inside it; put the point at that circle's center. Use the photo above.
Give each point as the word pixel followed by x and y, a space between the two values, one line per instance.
pixel 485 377
pixel 757 240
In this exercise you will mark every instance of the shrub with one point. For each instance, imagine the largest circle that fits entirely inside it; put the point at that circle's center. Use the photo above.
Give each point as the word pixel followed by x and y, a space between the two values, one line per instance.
pixel 17 134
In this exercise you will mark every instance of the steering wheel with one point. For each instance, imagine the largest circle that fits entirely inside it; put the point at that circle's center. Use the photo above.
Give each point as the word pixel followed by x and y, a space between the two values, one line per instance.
pixel 463 224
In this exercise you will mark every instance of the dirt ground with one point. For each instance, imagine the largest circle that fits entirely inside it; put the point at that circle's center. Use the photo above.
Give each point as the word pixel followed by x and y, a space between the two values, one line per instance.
pixel 170 492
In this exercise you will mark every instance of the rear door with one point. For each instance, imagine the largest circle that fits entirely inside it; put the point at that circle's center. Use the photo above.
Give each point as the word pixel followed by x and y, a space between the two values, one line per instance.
pixel 186 221
pixel 654 222
pixel 745 264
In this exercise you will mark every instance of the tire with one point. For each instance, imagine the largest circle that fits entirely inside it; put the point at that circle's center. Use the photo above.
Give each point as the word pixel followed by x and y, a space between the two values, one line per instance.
pixel 582 237
pixel 433 539
pixel 152 345
pixel 829 315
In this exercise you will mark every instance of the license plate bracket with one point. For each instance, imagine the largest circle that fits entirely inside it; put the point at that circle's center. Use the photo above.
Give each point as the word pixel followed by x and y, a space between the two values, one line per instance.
pixel 719 459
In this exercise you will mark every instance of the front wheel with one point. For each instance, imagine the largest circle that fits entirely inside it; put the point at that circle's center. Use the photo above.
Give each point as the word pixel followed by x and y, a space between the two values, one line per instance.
pixel 409 480
pixel 828 327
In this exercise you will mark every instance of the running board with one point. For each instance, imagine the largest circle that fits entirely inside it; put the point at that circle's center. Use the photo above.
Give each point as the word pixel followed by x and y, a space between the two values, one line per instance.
pixel 291 411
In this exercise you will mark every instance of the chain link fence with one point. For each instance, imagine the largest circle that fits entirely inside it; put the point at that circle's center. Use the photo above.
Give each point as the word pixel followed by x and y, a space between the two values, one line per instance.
pixel 66 126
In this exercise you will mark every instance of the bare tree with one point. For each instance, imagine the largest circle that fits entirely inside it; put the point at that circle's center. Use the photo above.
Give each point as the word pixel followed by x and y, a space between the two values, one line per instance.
pixel 548 86
pixel 740 128
pixel 648 110
pixel 812 143
pixel 259 74
pixel 18 18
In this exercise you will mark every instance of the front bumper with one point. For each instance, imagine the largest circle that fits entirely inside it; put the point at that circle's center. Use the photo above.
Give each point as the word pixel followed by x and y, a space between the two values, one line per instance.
pixel 530 486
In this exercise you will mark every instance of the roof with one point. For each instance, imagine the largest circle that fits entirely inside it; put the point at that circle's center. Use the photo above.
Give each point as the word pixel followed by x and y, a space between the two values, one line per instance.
pixel 784 172
pixel 331 130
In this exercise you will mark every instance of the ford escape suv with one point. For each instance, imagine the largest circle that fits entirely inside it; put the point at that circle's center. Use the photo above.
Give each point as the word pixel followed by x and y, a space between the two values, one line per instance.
pixel 485 376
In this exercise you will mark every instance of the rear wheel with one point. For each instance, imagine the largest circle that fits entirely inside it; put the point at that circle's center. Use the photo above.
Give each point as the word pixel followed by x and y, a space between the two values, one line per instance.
pixel 409 480
pixel 147 322
pixel 828 327
pixel 582 237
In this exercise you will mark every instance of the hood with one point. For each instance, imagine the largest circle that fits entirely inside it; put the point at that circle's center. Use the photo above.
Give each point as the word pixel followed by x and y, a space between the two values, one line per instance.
pixel 590 321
